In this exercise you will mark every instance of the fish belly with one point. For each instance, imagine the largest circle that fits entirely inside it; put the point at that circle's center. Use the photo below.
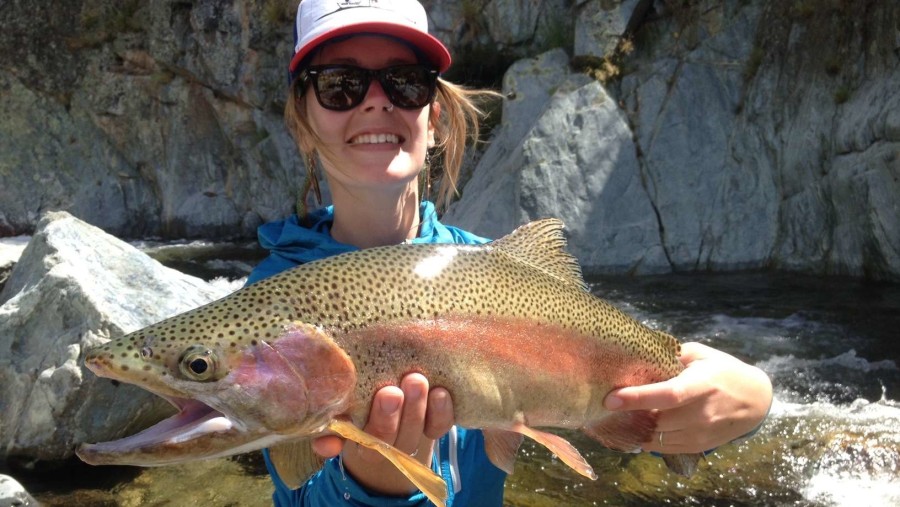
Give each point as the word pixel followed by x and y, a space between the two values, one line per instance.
pixel 498 370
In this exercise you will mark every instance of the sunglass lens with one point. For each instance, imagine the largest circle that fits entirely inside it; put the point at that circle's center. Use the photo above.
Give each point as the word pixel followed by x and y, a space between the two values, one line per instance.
pixel 341 88
pixel 409 86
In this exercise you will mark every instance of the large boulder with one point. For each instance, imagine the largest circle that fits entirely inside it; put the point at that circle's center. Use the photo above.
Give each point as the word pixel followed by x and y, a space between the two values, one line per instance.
pixel 13 494
pixel 73 287
pixel 565 150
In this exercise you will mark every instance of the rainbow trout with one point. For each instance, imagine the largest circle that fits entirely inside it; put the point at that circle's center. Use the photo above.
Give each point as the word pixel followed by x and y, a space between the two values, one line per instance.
pixel 509 328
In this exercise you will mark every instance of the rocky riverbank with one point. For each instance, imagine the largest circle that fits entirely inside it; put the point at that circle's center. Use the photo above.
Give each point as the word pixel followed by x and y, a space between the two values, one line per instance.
pixel 670 136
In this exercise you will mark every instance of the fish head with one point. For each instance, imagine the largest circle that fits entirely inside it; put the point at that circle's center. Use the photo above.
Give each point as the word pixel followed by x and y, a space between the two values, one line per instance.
pixel 238 386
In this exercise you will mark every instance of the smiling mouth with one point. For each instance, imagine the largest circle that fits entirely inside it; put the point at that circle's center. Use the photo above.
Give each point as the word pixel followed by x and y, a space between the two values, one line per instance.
pixel 376 139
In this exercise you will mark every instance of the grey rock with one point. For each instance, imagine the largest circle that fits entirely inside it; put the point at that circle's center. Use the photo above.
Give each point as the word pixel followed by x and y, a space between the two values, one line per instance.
pixel 514 27
pixel 764 134
pixel 600 25
pixel 75 286
pixel 165 121
pixel 13 494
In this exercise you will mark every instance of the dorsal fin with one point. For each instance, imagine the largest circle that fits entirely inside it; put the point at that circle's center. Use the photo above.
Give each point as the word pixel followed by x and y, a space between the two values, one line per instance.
pixel 542 245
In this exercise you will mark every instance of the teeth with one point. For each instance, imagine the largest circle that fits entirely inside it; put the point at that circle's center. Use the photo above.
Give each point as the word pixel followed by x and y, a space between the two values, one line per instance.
pixel 376 139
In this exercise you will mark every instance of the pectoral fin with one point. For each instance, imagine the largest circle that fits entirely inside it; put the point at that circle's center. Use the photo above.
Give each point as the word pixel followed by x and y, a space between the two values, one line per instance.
pixel 559 446
pixel 627 431
pixel 295 462
pixel 427 481
pixel 501 447
pixel 623 431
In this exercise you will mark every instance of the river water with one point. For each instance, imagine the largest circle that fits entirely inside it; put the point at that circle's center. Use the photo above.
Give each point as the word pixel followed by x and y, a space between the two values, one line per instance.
pixel 832 438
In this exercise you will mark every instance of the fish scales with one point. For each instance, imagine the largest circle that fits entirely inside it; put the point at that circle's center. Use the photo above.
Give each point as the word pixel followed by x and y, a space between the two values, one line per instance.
pixel 476 290
pixel 509 328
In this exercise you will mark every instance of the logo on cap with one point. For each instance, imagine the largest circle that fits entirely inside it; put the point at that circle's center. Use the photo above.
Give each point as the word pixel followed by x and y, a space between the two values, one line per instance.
pixel 353 4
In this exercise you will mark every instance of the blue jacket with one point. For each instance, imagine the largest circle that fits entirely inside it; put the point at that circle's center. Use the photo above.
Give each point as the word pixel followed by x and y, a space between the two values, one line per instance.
pixel 472 480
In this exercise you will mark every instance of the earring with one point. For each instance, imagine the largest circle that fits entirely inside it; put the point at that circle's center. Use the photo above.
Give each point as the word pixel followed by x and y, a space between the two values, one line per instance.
pixel 425 178
pixel 310 183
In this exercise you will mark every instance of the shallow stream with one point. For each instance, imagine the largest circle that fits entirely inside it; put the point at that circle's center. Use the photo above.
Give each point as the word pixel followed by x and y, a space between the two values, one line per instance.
pixel 833 436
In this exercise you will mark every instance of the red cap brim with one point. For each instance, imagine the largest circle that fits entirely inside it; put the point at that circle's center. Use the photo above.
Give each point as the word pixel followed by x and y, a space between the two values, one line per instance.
pixel 430 46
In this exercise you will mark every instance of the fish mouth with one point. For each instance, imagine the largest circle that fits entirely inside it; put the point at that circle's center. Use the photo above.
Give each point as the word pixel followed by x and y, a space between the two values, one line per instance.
pixel 196 431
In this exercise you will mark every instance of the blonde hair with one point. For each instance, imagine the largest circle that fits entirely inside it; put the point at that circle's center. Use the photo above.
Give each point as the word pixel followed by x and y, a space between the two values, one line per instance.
pixel 458 122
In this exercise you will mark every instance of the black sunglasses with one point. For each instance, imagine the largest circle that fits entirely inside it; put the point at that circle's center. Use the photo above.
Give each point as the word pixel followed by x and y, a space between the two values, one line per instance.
pixel 343 87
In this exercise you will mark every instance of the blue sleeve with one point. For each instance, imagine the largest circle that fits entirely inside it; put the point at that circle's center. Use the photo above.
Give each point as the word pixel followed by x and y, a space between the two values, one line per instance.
pixel 472 480
pixel 330 486
pixel 271 265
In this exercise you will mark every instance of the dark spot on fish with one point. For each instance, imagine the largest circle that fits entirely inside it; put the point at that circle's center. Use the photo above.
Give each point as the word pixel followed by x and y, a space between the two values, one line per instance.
pixel 147 367
pixel 124 367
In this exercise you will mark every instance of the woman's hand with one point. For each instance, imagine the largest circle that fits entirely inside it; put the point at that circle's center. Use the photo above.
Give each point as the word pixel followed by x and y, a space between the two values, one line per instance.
pixel 716 399
pixel 410 417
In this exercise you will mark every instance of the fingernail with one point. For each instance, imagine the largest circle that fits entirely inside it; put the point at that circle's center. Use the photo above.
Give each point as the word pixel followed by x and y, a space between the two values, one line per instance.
pixel 439 400
pixel 389 405
pixel 613 402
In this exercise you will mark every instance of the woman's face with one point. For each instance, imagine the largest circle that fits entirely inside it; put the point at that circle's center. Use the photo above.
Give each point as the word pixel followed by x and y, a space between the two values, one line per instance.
pixel 372 147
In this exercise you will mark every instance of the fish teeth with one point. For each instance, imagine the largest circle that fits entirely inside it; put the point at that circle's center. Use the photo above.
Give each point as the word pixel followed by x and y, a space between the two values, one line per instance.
pixel 376 139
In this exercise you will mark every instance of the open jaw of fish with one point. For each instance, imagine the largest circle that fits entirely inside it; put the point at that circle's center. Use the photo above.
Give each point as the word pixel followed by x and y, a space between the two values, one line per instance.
pixel 509 328
pixel 165 442
pixel 220 415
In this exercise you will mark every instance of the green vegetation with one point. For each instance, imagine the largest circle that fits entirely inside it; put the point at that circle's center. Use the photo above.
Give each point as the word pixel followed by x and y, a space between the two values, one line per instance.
pixel 102 23
pixel 606 68
pixel 804 9
pixel 279 12
pixel 754 61
pixel 833 65
pixel 557 32
pixel 842 94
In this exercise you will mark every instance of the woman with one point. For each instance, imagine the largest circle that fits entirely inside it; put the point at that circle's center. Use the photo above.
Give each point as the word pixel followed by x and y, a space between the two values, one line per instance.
pixel 366 104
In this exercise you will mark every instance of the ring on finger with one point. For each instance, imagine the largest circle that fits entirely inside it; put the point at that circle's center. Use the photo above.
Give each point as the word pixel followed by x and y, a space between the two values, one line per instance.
pixel 413 455
pixel 660 438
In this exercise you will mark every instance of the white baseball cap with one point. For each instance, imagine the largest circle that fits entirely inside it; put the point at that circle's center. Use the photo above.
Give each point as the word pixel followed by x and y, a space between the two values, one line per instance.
pixel 320 20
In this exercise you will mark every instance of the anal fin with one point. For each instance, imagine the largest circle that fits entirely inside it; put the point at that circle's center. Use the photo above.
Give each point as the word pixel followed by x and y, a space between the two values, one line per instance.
pixel 683 464
pixel 501 447
pixel 623 431
pixel 559 446
pixel 423 477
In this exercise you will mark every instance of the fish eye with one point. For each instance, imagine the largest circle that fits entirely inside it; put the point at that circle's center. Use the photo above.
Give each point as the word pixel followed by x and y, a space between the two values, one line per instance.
pixel 198 363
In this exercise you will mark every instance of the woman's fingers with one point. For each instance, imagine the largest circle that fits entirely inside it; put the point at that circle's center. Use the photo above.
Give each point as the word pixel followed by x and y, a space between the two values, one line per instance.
pixel 328 446
pixel 412 418
pixel 383 421
pixel 714 400
pixel 439 417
